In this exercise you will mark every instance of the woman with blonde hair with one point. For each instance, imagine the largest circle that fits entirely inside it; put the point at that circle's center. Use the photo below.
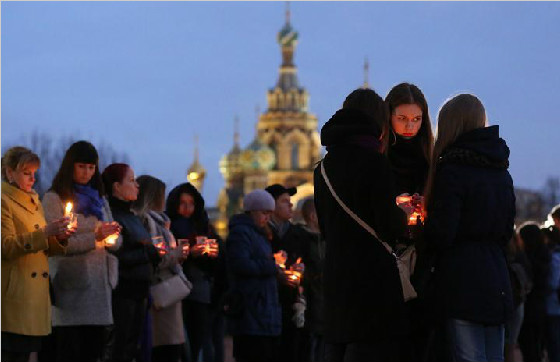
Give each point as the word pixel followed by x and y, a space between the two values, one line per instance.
pixel 27 240
pixel 470 214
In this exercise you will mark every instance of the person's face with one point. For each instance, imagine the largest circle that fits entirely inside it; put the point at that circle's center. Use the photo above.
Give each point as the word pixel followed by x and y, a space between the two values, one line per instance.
pixel 126 190
pixel 556 222
pixel 283 210
pixel 24 177
pixel 83 172
pixel 407 120
pixel 186 205
pixel 260 217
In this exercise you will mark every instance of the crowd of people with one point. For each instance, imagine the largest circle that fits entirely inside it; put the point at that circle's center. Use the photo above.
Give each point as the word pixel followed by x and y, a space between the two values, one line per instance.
pixel 407 251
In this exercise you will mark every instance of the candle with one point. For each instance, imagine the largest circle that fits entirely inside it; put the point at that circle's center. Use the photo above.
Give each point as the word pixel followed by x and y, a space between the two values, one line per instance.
pixel 111 239
pixel 68 209
pixel 403 199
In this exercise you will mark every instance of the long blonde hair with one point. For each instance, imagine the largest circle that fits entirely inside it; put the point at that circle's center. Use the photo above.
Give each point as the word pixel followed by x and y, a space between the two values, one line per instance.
pixel 459 114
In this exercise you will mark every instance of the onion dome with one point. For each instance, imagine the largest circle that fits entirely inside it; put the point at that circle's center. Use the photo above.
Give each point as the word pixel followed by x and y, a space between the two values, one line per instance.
pixel 230 163
pixel 287 37
pixel 257 157
pixel 196 173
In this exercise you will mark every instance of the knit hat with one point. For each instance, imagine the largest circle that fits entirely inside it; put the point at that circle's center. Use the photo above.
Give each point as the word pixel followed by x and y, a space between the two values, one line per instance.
pixel 258 200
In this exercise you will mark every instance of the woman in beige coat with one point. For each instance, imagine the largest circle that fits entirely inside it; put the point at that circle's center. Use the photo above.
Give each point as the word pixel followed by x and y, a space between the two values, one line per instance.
pixel 84 278
pixel 26 241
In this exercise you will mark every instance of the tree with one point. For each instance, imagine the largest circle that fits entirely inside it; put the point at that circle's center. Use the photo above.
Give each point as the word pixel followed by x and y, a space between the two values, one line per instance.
pixel 51 154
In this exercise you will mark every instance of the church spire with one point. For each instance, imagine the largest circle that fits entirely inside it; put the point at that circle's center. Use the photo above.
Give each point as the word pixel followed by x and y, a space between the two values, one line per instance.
pixel 288 12
pixel 236 132
pixel 366 74
pixel 196 173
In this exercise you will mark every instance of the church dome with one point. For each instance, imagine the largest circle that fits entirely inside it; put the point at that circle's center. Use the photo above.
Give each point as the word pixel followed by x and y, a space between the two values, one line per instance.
pixel 257 157
pixel 230 164
pixel 287 36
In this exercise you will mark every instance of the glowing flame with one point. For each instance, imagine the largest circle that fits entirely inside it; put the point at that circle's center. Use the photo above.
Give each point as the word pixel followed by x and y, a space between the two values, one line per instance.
pixel 68 209
pixel 111 239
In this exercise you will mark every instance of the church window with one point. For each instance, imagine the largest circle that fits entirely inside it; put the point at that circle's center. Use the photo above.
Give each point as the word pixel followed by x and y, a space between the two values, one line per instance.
pixel 295 156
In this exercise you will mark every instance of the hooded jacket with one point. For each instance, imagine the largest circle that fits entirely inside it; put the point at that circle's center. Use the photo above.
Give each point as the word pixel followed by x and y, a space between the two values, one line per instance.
pixel 470 221
pixel 362 289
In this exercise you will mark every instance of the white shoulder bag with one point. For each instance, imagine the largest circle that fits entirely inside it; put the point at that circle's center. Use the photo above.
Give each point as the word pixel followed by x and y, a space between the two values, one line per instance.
pixel 404 272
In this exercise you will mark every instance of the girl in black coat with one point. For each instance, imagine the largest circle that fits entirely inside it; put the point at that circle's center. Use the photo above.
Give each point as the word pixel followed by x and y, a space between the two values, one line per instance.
pixel 189 220
pixel 408 145
pixel 470 213
pixel 364 305
pixel 137 259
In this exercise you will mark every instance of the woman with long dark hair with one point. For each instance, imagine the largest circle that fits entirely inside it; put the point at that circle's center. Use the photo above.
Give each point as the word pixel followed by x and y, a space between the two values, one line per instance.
pixel 470 214
pixel 408 143
pixel 137 259
pixel 83 279
pixel 27 240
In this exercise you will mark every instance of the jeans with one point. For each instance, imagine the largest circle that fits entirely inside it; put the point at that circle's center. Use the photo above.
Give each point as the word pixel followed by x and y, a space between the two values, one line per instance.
pixel 475 342
pixel 316 348
pixel 513 325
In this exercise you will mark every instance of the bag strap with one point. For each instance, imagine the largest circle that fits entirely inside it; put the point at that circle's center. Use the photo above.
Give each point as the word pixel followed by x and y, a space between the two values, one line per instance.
pixel 351 213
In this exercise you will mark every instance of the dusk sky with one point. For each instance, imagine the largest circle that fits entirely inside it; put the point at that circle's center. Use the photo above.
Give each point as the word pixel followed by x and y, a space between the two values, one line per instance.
pixel 146 76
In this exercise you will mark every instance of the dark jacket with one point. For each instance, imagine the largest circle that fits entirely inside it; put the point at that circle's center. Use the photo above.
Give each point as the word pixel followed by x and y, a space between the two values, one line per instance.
pixel 252 271
pixel 408 164
pixel 200 270
pixel 137 255
pixel 363 293
pixel 470 221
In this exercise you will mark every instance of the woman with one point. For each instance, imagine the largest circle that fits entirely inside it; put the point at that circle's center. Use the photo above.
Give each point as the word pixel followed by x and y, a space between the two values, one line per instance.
pixel 553 298
pixel 167 324
pixel 137 258
pixel 83 279
pixel 256 321
pixel 27 240
pixel 470 213
pixel 408 142
pixel 533 329
pixel 364 304
pixel 185 208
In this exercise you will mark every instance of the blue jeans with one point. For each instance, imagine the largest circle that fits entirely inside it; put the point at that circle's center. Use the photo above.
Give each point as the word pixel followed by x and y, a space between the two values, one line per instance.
pixel 475 342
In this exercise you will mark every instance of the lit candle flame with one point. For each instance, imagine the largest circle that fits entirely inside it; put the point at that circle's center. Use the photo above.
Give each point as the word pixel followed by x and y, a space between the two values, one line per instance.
pixel 111 239
pixel 68 209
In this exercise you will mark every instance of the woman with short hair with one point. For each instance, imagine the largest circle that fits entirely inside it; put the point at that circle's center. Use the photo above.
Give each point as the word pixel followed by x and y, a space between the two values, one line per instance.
pixel 27 240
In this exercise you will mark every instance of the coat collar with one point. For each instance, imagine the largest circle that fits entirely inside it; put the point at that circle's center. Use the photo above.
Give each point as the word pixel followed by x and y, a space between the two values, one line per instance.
pixel 27 200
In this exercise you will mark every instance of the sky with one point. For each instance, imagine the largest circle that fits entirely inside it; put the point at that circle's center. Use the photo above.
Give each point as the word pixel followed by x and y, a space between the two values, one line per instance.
pixel 146 77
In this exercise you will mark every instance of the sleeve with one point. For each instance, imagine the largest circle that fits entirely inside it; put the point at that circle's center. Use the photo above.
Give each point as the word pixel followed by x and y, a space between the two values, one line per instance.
pixel 444 213
pixel 16 244
pixel 84 238
pixel 554 280
pixel 239 258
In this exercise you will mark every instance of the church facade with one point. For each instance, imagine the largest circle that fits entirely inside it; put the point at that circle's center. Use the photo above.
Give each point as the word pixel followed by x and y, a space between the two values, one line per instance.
pixel 286 145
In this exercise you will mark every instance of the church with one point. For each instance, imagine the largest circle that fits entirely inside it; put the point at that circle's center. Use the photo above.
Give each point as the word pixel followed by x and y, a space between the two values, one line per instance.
pixel 285 148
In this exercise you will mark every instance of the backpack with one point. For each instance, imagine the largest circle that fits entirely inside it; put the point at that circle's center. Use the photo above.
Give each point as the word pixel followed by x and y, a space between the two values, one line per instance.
pixel 521 283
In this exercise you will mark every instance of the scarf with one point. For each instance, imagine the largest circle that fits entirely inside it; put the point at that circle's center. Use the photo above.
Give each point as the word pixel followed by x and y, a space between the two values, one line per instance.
pixel 408 164
pixel 87 201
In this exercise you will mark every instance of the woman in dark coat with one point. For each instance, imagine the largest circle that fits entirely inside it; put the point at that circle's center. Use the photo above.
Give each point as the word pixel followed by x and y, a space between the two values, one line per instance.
pixel 256 320
pixel 364 305
pixel 185 208
pixel 533 329
pixel 470 213
pixel 137 259
pixel 408 146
